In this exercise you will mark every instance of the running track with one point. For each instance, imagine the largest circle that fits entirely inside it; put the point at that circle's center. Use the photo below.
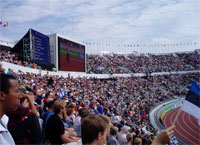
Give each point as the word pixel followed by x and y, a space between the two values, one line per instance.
pixel 186 126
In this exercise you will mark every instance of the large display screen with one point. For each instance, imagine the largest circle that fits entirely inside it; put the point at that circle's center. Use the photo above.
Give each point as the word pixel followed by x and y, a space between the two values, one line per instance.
pixel 40 47
pixel 71 56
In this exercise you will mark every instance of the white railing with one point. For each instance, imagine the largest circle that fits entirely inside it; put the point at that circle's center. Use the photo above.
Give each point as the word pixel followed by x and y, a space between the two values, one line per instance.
pixel 16 68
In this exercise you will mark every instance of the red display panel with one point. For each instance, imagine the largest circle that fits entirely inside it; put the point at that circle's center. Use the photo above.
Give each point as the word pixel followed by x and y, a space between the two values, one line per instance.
pixel 71 56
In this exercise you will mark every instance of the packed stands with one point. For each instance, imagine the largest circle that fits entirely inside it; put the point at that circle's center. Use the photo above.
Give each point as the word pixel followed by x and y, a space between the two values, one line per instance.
pixel 127 100
pixel 7 56
pixel 131 63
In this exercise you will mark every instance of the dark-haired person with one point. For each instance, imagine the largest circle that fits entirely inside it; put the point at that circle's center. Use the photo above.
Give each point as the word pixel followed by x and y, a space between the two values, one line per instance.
pixel 95 130
pixel 9 100
pixel 2 70
pixel 27 128
pixel 83 112
pixel 112 140
pixel 49 112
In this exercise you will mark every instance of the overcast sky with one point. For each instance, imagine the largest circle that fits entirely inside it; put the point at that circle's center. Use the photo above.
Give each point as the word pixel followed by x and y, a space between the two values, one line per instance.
pixel 105 21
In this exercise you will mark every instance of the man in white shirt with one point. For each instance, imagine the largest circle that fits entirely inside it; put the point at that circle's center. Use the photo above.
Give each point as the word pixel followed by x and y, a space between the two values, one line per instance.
pixel 5 136
pixel 9 100
pixel 122 135
pixel 83 112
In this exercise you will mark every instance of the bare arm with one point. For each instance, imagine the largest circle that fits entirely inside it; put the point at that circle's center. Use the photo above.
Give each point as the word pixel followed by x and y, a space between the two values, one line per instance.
pixel 32 109
pixel 164 136
pixel 67 139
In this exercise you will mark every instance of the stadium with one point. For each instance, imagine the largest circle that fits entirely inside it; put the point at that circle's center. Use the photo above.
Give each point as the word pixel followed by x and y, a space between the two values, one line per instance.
pixel 142 93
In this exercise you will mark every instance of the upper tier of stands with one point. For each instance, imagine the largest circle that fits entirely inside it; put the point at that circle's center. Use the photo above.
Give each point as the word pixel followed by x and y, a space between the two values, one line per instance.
pixel 119 64
pixel 128 64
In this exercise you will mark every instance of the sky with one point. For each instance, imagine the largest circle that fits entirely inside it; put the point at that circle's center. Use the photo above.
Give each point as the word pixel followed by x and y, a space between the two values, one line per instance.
pixel 102 22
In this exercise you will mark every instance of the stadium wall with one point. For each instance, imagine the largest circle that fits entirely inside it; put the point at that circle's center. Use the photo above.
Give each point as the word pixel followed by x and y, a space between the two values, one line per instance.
pixel 16 68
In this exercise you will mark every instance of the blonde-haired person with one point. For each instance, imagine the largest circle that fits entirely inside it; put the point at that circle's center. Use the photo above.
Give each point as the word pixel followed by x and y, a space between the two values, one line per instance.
pixel 137 141
pixel 129 138
pixel 55 130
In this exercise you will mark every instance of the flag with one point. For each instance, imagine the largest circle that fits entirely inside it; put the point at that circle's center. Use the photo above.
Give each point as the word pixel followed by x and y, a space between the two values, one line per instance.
pixel 5 25
pixel 191 104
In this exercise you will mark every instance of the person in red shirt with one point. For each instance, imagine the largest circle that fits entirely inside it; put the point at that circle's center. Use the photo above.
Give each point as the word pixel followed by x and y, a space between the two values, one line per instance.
pixel 24 123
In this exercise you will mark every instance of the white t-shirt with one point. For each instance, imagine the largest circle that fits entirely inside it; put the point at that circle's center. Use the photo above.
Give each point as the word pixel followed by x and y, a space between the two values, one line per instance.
pixel 5 136
pixel 77 125
pixel 122 138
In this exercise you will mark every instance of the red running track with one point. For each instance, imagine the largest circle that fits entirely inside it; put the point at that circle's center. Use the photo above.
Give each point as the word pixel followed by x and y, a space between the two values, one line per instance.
pixel 186 126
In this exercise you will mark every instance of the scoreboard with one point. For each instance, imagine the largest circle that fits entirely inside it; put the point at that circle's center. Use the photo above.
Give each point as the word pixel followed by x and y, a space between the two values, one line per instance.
pixel 71 55
pixel 40 47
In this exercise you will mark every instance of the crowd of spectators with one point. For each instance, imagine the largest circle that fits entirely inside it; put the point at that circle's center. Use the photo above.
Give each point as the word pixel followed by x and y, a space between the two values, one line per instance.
pixel 192 59
pixel 126 100
pixel 116 64
pixel 120 64
pixel 12 58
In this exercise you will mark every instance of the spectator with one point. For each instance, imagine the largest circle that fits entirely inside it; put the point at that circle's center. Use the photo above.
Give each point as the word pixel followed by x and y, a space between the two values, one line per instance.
pixel 9 71
pixel 20 129
pixel 129 138
pixel 137 141
pixel 2 70
pixel 49 112
pixel 69 117
pixel 112 140
pixel 47 75
pixel 164 136
pixel 122 135
pixel 54 69
pixel 55 130
pixel 99 109
pixel 83 112
pixel 94 130
pixel 9 100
